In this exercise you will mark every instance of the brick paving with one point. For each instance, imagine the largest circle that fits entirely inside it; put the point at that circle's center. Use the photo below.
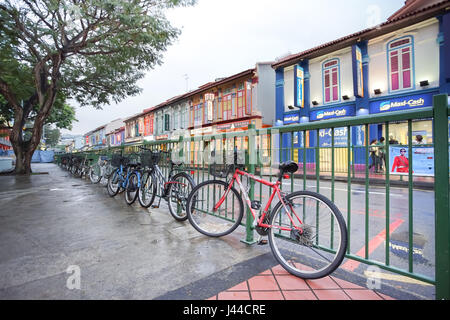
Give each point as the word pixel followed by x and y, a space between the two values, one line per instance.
pixel 277 284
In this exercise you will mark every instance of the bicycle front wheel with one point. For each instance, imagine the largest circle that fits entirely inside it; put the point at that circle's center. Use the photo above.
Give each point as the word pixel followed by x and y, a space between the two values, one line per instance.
pixel 200 208
pixel 95 174
pixel 317 247
pixel 180 186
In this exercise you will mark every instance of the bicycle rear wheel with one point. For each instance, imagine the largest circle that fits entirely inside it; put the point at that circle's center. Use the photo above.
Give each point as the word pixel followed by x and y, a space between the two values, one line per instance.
pixel 318 248
pixel 132 188
pixel 180 186
pixel 200 208
pixel 114 182
pixel 147 190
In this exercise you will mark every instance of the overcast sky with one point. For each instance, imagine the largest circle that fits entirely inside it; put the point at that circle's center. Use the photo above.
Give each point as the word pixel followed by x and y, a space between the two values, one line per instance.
pixel 223 37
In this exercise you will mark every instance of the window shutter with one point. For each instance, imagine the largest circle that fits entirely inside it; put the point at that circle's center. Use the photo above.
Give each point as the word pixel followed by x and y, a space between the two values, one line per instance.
pixel 394 71
pixel 166 122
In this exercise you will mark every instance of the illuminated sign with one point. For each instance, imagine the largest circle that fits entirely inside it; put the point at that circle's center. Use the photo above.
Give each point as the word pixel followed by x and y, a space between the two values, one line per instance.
pixel 359 73
pixel 338 112
pixel 340 137
pixel 299 76
pixel 403 103
pixel 291 119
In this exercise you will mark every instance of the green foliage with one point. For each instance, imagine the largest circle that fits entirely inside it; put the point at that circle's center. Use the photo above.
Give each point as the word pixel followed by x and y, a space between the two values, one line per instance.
pixel 107 45
pixel 91 51
pixel 51 136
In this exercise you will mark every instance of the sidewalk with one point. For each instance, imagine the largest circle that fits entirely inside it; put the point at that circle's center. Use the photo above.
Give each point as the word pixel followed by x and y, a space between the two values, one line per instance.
pixel 51 222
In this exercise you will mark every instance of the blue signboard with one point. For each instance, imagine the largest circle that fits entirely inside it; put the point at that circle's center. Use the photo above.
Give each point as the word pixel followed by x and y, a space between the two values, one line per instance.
pixel 291 118
pixel 402 103
pixel 359 88
pixel 337 112
pixel 299 76
pixel 340 137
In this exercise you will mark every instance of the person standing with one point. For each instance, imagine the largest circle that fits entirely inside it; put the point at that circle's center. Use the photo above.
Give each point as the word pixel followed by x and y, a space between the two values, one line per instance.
pixel 381 154
pixel 373 155
pixel 419 140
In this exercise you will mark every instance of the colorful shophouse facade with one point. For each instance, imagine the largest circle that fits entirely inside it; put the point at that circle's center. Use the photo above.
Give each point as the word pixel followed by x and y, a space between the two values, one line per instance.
pixel 115 133
pixel 398 65
pixel 232 104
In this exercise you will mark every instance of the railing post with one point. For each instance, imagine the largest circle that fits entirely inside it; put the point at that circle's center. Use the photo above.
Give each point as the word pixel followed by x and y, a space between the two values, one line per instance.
pixel 249 239
pixel 442 215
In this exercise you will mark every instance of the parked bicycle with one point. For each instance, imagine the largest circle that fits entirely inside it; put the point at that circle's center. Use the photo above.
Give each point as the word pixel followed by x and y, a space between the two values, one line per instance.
pixel 306 231
pixel 175 189
pixel 125 178
pixel 102 169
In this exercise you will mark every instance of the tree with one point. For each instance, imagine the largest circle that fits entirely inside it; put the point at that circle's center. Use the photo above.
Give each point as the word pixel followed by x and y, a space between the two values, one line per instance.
pixel 51 136
pixel 92 51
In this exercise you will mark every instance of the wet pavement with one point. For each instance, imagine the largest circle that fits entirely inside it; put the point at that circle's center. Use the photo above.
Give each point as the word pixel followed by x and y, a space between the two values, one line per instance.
pixel 65 238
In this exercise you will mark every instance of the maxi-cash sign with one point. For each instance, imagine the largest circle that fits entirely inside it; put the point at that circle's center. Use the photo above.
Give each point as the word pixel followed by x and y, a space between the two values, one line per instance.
pixel 402 103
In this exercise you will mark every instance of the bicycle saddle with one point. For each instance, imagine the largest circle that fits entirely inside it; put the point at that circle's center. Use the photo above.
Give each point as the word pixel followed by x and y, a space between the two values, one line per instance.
pixel 288 167
pixel 176 163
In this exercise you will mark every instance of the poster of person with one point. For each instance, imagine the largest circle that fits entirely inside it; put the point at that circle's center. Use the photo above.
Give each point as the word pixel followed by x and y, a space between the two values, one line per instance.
pixel 423 160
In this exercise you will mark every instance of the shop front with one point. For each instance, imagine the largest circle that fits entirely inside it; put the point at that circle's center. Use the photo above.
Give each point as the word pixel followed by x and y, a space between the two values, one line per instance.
pixel 398 132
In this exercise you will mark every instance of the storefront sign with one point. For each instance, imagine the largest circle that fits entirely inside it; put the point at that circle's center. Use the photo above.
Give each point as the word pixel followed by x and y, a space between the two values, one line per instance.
pixel 359 73
pixel 291 118
pixel 298 85
pixel 340 137
pixel 234 125
pixel 199 131
pixel 162 137
pixel 403 103
pixel 338 112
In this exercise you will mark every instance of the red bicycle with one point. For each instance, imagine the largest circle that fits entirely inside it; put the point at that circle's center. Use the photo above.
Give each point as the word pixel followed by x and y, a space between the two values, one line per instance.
pixel 307 233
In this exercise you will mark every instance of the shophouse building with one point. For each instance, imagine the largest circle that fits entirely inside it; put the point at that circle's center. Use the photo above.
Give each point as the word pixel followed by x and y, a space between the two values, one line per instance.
pixel 113 130
pixel 397 65
pixel 134 128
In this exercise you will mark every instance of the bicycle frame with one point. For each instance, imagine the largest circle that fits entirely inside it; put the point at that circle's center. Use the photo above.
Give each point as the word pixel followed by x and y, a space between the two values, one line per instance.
pixel 124 181
pixel 276 191
pixel 163 183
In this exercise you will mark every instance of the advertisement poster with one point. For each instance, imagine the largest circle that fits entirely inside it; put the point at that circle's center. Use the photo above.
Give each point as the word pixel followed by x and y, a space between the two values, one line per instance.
pixel 423 160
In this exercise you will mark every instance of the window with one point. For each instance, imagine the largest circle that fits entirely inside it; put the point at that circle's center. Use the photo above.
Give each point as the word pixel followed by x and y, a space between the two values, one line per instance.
pixel 176 117
pixel 400 64
pixel 240 103
pixel 198 114
pixel 227 107
pixel 166 122
pixel 331 81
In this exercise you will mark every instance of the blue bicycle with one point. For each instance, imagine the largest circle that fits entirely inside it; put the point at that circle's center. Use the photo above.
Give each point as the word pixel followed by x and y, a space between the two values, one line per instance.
pixel 127 177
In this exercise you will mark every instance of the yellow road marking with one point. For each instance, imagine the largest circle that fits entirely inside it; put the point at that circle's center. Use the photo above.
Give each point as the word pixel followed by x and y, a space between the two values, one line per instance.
pixel 394 277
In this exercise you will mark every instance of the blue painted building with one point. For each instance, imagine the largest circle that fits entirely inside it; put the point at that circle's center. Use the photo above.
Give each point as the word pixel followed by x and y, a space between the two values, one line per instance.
pixel 398 65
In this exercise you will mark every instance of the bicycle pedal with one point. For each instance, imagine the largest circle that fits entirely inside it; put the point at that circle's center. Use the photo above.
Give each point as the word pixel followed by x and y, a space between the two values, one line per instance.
pixel 262 242
pixel 155 207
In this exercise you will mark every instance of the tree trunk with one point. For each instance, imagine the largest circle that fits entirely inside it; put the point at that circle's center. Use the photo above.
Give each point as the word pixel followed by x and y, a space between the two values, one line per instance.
pixel 23 157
